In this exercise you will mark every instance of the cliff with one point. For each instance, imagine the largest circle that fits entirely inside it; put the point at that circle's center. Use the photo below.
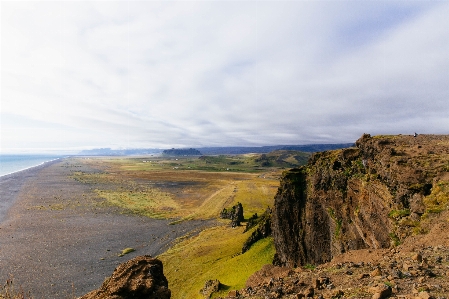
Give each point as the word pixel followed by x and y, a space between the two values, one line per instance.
pixel 373 195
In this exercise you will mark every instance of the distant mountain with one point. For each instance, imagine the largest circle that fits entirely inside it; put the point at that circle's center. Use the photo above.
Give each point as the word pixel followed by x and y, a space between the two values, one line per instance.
pixel 124 152
pixel 310 148
pixel 227 150
pixel 181 152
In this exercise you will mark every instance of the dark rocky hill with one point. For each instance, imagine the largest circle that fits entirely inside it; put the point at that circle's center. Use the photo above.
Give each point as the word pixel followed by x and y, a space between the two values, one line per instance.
pixel 181 152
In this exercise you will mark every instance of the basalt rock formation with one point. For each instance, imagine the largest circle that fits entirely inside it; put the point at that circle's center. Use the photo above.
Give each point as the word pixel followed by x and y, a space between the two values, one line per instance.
pixel 235 214
pixel 373 195
pixel 139 278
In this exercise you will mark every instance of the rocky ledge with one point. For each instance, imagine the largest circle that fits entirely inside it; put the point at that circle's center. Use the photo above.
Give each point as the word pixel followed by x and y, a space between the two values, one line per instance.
pixel 421 273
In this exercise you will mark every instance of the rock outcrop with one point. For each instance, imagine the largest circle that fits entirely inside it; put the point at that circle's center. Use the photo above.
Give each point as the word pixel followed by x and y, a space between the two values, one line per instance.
pixel 235 214
pixel 373 195
pixel 210 287
pixel 139 278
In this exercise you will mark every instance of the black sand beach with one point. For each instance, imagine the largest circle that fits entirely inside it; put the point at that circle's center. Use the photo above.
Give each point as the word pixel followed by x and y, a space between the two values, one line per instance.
pixel 58 240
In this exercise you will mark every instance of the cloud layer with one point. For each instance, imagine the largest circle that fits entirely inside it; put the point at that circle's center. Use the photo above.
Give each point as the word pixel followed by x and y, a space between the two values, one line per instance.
pixel 174 74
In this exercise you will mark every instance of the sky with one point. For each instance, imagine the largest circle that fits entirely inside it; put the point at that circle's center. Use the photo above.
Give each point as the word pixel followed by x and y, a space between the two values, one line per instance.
pixel 160 74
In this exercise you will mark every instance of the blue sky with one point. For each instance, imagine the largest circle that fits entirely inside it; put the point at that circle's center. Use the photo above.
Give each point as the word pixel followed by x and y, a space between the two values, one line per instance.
pixel 160 74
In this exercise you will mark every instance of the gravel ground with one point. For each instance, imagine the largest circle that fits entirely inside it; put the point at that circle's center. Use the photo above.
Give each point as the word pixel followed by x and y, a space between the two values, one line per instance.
pixel 58 240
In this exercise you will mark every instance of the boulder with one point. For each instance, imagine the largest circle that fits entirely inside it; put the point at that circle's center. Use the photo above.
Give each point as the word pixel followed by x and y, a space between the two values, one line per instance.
pixel 416 204
pixel 139 278
pixel 381 292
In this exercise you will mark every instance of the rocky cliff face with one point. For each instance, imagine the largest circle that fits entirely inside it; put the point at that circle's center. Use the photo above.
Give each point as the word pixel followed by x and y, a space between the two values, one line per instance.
pixel 373 195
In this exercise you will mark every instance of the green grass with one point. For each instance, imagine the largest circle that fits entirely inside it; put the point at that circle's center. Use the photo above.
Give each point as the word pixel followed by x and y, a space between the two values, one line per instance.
pixel 394 239
pixel 152 203
pixel 236 163
pixel 438 200
pixel 126 251
pixel 214 254
pixel 398 213
pixel 309 267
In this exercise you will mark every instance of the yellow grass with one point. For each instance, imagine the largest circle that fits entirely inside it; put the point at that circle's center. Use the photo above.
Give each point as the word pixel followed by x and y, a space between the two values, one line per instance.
pixel 213 254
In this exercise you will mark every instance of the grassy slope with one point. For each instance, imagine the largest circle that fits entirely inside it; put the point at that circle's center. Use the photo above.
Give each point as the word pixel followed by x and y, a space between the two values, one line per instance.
pixel 213 254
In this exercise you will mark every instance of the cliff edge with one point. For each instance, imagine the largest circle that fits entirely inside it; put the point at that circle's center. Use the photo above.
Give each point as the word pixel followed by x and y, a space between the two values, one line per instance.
pixel 373 195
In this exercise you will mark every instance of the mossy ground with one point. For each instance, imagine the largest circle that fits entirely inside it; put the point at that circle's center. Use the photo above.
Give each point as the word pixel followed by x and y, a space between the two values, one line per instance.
pixel 214 254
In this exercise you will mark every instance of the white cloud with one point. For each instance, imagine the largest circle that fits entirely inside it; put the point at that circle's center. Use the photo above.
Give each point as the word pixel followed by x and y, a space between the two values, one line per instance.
pixel 163 74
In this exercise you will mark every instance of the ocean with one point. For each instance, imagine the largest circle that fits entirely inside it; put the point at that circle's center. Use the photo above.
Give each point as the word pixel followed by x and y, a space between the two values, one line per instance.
pixel 13 163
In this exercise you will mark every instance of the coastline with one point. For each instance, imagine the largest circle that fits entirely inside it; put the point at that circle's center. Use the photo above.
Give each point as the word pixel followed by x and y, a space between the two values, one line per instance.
pixel 58 239
pixel 11 183
pixel 30 167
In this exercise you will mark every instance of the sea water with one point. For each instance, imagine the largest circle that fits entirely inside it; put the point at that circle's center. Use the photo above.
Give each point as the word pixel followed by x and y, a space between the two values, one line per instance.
pixel 13 163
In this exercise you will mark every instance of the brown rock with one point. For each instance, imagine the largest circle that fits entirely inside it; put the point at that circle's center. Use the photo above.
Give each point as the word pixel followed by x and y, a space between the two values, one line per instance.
pixel 141 277
pixel 337 294
pixel 381 291
pixel 265 274
pixel 321 282
pixel 406 266
pixel 363 275
pixel 417 257
pixel 416 204
pixel 424 295
pixel 309 292
pixel 210 287
pixel 376 272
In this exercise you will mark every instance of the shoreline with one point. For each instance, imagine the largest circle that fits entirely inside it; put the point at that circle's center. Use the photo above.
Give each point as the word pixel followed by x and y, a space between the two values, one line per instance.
pixel 29 168
pixel 10 185
pixel 58 239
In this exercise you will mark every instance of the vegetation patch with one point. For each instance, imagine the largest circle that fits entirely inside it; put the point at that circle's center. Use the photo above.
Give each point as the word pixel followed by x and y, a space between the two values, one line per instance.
pixel 8 291
pixel 395 241
pixel 126 251
pixel 338 222
pixel 396 214
pixel 151 202
pixel 309 267
pixel 214 254
pixel 438 199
